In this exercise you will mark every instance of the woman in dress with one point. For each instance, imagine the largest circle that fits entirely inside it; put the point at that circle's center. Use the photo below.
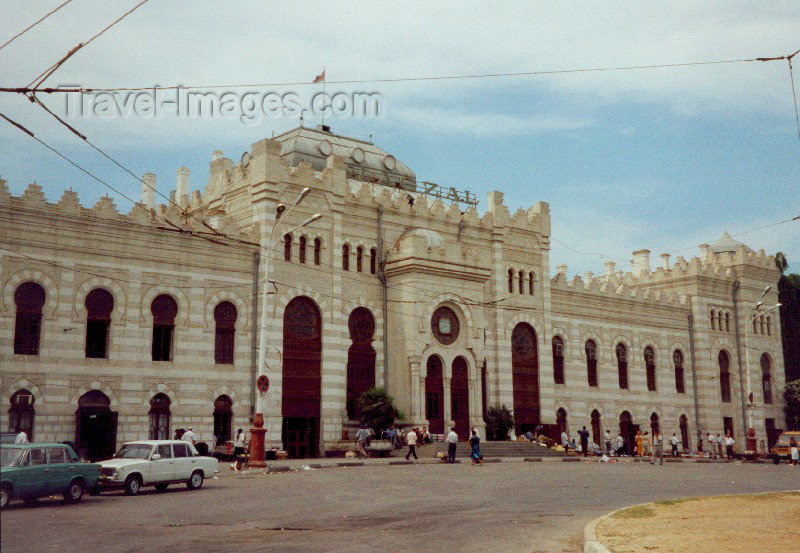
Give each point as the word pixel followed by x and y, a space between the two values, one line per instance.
pixel 639 443
pixel 475 444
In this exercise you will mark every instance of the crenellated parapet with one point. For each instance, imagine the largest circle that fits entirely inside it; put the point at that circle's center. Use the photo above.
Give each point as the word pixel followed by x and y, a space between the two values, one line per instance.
pixel 615 287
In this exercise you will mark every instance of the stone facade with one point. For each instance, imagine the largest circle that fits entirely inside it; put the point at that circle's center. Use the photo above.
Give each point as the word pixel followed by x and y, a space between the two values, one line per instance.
pixel 492 270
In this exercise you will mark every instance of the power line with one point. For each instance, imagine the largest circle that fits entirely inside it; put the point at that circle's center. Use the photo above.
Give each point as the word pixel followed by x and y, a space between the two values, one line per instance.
pixel 794 94
pixel 32 25
pixel 397 79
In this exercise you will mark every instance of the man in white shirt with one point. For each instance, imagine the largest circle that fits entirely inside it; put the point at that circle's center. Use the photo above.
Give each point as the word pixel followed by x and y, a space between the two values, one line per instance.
pixel 608 442
pixel 729 446
pixel 452 442
pixel 22 438
pixel 411 440
pixel 658 449
pixel 673 441
pixel 188 436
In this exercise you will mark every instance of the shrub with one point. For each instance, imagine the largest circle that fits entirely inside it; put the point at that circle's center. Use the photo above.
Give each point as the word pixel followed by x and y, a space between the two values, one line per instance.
pixel 376 409
pixel 499 421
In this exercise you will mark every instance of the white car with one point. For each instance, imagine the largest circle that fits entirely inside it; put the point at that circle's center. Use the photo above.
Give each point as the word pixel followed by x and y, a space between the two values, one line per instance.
pixel 157 463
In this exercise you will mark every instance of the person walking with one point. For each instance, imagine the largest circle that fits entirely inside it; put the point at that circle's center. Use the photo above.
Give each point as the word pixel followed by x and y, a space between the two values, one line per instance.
pixel 794 452
pixel 411 440
pixel 565 441
pixel 475 452
pixel 658 448
pixel 673 441
pixel 584 434
pixel 239 444
pixel 188 436
pixel 620 451
pixel 729 446
pixel 711 440
pixel 362 437
pixel 639 443
pixel 22 438
pixel 608 442
pixel 452 442
pixel 647 447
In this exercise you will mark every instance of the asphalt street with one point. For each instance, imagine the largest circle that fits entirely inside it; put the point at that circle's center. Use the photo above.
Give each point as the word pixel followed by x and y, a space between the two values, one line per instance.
pixel 498 507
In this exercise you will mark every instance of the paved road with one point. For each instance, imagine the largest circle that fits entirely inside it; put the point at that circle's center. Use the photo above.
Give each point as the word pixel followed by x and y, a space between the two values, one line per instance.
pixel 519 507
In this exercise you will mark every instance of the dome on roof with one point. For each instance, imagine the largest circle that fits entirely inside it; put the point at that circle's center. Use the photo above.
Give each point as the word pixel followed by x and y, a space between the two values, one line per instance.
pixel 725 244
pixel 434 239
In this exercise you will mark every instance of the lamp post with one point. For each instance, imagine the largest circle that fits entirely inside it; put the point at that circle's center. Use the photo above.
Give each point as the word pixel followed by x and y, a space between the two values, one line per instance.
pixel 268 243
pixel 752 314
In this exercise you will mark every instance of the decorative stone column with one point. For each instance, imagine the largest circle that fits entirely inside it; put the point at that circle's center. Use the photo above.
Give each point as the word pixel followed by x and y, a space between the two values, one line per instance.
pixel 416 413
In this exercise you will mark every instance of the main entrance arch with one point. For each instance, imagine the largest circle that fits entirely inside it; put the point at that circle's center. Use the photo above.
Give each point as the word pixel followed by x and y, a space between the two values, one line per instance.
pixel 525 378
pixel 95 426
pixel 459 397
pixel 434 395
pixel 628 431
pixel 302 377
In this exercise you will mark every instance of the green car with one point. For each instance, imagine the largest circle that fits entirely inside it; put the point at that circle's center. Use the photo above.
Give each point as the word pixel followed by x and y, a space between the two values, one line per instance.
pixel 30 471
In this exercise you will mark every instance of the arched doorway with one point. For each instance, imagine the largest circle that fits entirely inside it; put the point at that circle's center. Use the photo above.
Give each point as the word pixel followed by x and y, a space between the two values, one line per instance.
pixel 223 419
pixel 628 431
pixel 655 427
pixel 434 395
pixel 360 357
pixel 95 426
pixel 21 414
pixel 597 431
pixel 684 426
pixel 459 397
pixel 525 378
pixel 302 377
pixel 159 417
pixel 561 422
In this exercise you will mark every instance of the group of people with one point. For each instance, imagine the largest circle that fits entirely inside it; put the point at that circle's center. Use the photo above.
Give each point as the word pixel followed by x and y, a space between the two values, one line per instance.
pixel 412 439
pixel 717 444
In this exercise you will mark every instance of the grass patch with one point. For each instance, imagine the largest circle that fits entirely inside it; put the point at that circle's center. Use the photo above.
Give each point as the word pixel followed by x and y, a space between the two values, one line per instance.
pixel 642 511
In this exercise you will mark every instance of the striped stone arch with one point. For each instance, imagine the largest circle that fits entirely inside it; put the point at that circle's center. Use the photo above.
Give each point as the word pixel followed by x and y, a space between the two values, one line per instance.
pixel 636 415
pixel 223 390
pixel 649 341
pixel 525 318
pixel 448 355
pixel 349 305
pixel 242 311
pixel 32 275
pixel 290 293
pixel 621 338
pixel 176 293
pixel 564 335
pixel 455 303
pixel 95 385
pixel 601 350
pixel 22 384
pixel 684 350
pixel 111 286
pixel 161 389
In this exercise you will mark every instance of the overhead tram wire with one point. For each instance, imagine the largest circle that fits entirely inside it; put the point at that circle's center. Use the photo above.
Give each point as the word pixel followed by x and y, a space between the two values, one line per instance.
pixel 32 25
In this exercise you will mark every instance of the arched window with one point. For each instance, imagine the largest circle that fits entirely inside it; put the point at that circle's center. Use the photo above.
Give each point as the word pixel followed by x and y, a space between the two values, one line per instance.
pixel 597 431
pixel 360 357
pixel 29 298
pixel 727 321
pixel 591 362
pixel 317 250
pixel 755 325
pixel 302 253
pixel 159 417
pixel 287 247
pixel 622 366
pixel 525 377
pixel 712 319
pixel 561 421
pixel 719 320
pixel 459 396
pixel 434 395
pixel 677 359
pixel 346 257
pixel 373 261
pixel 655 427
pixel 21 414
pixel 521 282
pixel 510 281
pixel 359 259
pixel 766 378
pixel 223 419
pixel 558 360
pixel 164 309
pixel 99 304
pixel 650 368
pixel 530 283
pixel 761 319
pixel 724 375
pixel 769 326
pixel 225 318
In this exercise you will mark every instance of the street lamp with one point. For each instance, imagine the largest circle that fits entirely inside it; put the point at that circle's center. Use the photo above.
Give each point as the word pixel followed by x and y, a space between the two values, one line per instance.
pixel 267 244
pixel 752 314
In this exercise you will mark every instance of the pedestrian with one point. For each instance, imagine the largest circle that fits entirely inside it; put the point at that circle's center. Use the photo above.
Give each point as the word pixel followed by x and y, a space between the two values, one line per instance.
pixel 720 441
pixel 22 438
pixel 411 440
pixel 658 448
pixel 647 444
pixel 712 446
pixel 794 453
pixel 565 441
pixel 584 434
pixel 620 445
pixel 239 444
pixel 639 443
pixel 475 444
pixel 188 436
pixel 608 442
pixel 362 438
pixel 699 441
pixel 179 434
pixel 673 441
pixel 452 442
pixel 729 446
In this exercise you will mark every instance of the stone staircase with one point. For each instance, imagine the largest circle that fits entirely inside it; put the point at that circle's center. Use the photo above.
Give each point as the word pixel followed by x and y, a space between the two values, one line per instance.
pixel 494 449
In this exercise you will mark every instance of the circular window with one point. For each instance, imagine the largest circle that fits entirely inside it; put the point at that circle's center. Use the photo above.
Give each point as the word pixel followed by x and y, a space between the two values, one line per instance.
pixel 444 325
pixel 325 148
pixel 389 162
pixel 358 155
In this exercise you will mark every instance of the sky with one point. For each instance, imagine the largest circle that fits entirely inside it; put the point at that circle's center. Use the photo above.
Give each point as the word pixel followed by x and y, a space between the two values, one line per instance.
pixel 662 158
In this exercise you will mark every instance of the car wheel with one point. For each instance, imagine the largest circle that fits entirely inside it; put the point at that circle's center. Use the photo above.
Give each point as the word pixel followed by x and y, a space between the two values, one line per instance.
pixel 5 496
pixel 74 491
pixel 161 487
pixel 132 485
pixel 195 480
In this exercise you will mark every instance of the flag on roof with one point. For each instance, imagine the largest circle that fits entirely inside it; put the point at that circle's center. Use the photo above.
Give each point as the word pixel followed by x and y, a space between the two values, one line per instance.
pixel 320 78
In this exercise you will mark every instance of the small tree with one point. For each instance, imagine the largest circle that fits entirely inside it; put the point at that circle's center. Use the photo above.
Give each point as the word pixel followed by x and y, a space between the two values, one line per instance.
pixel 499 421
pixel 376 409
pixel 792 396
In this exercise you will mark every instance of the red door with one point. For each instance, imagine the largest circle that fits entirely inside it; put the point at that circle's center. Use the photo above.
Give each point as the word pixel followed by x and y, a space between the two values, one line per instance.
pixel 459 397
pixel 525 378
pixel 434 395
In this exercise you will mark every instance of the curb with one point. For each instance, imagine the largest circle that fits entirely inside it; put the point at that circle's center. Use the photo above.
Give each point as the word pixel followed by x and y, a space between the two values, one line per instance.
pixel 590 542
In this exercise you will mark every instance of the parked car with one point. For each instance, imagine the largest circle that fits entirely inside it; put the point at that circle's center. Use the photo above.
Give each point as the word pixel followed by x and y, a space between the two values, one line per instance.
pixel 781 448
pixel 30 471
pixel 157 463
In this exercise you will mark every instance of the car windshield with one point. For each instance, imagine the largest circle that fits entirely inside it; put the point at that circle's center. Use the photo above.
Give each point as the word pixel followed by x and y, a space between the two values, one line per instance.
pixel 133 451
pixel 11 456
